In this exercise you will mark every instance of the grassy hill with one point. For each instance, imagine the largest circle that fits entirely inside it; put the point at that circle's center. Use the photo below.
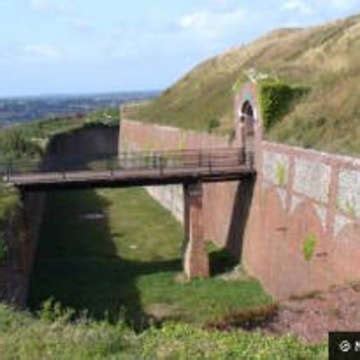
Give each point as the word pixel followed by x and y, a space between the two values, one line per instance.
pixel 325 58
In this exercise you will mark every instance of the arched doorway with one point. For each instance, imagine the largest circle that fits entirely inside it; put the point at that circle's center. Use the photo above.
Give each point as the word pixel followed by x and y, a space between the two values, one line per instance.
pixel 247 119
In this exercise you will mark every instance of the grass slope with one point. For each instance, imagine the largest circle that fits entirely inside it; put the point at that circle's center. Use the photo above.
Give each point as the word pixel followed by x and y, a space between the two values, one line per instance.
pixel 326 58
pixel 126 263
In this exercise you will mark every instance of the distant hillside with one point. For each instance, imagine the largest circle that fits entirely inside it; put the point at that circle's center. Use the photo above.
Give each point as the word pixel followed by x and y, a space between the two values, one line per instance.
pixel 326 58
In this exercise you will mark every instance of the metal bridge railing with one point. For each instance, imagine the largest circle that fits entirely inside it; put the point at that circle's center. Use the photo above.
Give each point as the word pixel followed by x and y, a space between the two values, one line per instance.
pixel 131 161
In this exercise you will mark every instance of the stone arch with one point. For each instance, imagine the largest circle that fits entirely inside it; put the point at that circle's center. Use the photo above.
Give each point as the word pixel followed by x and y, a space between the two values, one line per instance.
pixel 248 130
pixel 248 120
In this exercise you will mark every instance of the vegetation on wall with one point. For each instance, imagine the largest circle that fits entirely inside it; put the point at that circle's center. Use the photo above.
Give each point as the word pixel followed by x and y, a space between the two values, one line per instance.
pixel 276 99
pixel 281 175
pixel 212 125
pixel 309 246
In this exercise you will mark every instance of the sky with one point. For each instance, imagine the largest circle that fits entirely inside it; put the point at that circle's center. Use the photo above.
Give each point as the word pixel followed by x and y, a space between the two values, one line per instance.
pixel 91 46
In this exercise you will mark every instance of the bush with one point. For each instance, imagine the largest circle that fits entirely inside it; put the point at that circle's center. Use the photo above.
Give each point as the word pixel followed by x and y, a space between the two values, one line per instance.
pixel 212 125
pixel 276 99
pixel 108 117
pixel 14 144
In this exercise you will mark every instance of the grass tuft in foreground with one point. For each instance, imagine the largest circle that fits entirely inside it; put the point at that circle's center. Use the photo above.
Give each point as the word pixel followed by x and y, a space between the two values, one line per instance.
pixel 24 337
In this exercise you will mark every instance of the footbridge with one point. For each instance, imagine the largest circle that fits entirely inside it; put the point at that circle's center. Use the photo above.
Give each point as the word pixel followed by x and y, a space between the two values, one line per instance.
pixel 191 168
pixel 136 168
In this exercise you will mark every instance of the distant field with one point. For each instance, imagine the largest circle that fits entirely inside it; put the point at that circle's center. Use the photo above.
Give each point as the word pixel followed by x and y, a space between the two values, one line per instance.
pixel 25 109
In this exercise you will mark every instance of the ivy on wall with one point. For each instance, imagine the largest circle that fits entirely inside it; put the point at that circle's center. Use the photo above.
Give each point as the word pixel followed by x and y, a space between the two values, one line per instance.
pixel 276 98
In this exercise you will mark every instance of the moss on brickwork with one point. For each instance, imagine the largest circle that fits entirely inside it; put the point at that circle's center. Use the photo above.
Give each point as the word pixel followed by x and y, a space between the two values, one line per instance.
pixel 281 175
pixel 309 246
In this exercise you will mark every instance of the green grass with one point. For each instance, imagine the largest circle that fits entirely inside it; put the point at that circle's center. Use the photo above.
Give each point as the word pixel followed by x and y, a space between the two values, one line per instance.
pixel 127 262
pixel 25 337
pixel 110 272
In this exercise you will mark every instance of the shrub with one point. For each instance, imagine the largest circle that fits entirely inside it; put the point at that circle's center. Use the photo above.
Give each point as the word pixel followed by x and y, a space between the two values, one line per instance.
pixel 212 125
pixel 108 117
pixel 15 144
pixel 276 99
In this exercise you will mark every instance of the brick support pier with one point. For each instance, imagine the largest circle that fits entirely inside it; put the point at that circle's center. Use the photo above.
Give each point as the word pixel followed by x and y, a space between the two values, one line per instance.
pixel 196 261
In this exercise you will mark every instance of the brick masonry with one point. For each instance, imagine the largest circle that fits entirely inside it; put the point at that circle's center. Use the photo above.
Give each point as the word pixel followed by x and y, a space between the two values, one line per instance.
pixel 297 229
pixel 196 261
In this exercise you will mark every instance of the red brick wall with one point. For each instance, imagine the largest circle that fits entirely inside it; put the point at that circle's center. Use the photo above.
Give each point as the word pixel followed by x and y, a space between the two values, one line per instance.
pixel 141 136
pixel 302 199
pixel 317 197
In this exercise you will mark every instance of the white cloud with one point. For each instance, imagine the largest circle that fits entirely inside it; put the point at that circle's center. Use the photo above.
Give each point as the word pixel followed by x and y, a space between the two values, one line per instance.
pixel 299 6
pixel 53 6
pixel 212 23
pixel 344 4
pixel 196 20
pixel 42 52
pixel 340 5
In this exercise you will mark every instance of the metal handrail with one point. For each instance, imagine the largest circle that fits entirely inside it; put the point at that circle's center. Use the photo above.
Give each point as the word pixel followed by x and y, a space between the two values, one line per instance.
pixel 159 160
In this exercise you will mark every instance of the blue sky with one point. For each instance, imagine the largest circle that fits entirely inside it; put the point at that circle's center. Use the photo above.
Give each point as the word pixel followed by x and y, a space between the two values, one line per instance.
pixel 85 46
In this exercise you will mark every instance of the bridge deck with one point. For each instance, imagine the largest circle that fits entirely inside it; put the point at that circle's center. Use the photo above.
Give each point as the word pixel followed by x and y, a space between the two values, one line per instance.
pixel 118 178
pixel 133 169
